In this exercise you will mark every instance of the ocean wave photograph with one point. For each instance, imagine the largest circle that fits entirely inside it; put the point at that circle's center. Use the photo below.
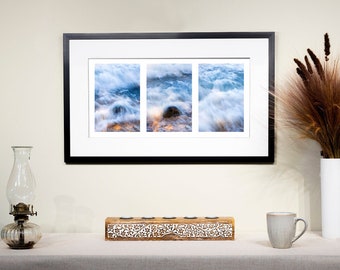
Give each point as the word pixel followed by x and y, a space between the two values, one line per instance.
pixel 117 97
pixel 221 97
pixel 169 97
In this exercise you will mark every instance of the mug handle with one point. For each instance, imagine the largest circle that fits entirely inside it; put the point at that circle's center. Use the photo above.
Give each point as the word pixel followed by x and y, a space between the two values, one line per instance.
pixel 303 231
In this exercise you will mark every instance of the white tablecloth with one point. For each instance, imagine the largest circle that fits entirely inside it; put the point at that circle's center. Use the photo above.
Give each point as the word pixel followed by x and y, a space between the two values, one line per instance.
pixel 247 251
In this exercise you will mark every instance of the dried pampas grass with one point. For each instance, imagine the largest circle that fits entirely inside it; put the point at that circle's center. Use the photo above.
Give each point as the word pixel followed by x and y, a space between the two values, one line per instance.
pixel 311 102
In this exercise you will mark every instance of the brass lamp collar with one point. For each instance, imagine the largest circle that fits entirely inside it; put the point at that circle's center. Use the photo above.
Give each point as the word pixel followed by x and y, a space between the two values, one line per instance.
pixel 22 209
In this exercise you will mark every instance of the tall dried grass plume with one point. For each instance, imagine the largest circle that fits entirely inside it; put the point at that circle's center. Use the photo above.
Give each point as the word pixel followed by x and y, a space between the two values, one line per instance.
pixel 311 101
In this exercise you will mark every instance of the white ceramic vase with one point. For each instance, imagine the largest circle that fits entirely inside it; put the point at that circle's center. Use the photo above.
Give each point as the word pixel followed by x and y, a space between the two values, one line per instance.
pixel 330 197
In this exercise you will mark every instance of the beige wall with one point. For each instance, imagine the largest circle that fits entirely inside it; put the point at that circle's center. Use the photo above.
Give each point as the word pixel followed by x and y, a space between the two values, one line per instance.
pixel 78 197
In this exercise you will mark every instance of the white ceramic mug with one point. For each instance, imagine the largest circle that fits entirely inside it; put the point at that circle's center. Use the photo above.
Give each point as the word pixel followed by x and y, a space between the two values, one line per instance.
pixel 281 228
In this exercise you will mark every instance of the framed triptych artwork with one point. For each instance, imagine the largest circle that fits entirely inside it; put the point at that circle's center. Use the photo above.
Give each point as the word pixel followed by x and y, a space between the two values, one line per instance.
pixel 169 98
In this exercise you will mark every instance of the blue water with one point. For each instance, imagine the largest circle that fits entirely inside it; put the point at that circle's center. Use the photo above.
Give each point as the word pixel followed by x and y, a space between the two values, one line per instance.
pixel 169 98
pixel 117 97
pixel 221 97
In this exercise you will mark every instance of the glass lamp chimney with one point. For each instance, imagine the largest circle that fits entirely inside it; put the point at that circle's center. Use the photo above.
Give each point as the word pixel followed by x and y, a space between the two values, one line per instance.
pixel 21 184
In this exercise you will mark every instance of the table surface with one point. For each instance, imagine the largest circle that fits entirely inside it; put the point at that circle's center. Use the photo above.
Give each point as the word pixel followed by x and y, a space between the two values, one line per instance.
pixel 248 250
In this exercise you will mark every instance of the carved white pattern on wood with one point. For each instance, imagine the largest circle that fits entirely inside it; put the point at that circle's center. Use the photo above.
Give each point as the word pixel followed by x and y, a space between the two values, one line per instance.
pixel 197 230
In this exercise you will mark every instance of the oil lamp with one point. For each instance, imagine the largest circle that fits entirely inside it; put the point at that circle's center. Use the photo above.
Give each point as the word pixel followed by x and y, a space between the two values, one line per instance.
pixel 21 194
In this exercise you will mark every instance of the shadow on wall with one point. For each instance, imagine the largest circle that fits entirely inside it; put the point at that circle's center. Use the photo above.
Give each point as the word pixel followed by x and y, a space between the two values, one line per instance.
pixel 71 218
pixel 303 157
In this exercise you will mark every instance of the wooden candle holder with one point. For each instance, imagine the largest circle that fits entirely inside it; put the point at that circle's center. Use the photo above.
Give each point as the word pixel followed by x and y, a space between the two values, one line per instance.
pixel 169 228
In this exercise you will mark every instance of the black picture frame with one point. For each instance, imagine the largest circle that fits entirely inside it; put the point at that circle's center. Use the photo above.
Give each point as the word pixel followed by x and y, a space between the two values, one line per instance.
pixel 254 145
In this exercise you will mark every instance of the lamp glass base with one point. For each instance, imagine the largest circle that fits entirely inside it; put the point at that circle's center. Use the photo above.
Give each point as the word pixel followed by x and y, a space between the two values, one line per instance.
pixel 21 234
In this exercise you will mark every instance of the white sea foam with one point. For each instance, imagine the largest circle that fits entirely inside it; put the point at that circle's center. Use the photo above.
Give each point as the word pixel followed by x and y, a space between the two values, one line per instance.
pixel 221 93
pixel 116 95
